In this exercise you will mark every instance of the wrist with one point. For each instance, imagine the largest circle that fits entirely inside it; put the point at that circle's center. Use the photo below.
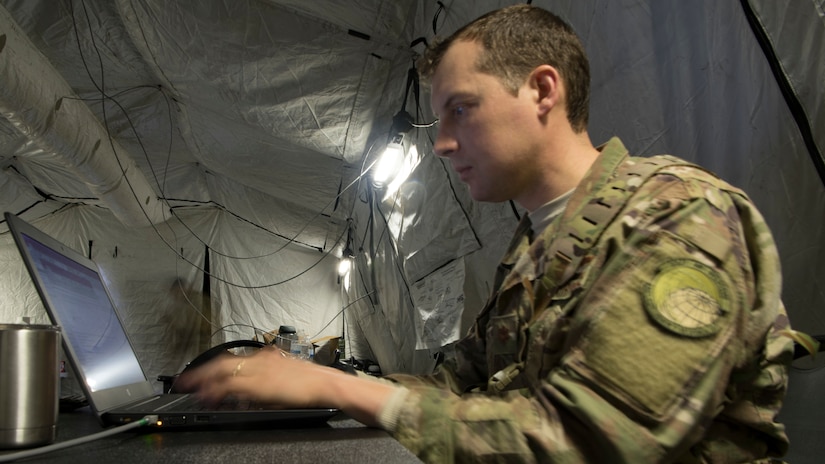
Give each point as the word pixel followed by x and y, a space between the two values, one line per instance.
pixel 360 398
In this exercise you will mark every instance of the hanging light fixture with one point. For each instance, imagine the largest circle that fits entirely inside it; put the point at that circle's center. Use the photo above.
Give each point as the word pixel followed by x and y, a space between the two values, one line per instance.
pixel 347 256
pixel 390 162
pixel 395 165
pixel 392 159
pixel 344 266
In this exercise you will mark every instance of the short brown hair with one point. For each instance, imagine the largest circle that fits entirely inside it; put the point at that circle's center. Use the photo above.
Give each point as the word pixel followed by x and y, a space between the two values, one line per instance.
pixel 516 40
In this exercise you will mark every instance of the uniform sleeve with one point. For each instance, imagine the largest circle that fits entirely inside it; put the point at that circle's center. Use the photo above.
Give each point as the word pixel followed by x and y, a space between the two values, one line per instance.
pixel 669 315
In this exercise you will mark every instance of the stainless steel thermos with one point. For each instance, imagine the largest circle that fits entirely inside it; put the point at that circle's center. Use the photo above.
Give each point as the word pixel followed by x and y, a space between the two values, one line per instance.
pixel 29 384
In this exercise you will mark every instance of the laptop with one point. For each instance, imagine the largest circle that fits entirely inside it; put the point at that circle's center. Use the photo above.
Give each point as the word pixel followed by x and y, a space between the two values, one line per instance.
pixel 97 345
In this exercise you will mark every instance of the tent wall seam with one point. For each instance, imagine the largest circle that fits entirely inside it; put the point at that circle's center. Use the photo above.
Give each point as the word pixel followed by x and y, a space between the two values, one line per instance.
pixel 788 93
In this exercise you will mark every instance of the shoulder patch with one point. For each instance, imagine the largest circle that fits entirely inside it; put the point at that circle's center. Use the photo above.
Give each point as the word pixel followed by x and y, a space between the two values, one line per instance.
pixel 688 298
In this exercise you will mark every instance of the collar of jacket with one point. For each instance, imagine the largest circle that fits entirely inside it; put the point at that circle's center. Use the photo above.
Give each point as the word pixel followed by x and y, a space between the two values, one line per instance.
pixel 522 255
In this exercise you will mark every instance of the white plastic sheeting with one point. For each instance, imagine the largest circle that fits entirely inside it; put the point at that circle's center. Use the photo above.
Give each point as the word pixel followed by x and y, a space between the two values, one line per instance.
pixel 252 120
pixel 32 100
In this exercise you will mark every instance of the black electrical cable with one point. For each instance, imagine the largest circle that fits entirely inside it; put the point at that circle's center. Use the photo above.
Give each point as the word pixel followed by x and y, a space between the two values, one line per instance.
pixel 515 211
pixel 339 313
pixel 791 98
pixel 436 15
pixel 255 330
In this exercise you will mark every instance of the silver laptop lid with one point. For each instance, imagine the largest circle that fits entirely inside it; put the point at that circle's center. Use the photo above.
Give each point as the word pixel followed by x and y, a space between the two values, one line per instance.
pixel 76 299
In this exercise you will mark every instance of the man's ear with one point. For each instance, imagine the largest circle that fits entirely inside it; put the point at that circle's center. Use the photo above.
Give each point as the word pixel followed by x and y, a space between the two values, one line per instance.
pixel 547 85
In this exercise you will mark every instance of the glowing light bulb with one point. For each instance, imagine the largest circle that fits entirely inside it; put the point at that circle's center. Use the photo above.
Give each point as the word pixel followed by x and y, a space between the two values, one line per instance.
pixel 389 164
pixel 344 266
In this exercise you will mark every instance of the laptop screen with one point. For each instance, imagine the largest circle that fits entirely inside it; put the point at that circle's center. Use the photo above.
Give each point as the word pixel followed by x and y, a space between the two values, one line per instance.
pixel 82 308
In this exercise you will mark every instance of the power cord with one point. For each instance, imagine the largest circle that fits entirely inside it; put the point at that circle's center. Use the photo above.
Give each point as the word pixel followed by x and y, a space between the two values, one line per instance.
pixel 146 420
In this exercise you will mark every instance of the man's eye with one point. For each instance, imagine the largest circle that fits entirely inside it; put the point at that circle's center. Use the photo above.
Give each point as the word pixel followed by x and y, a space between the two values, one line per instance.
pixel 459 111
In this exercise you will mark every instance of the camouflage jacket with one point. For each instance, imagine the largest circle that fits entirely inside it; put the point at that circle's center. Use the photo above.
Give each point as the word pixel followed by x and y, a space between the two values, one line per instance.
pixel 641 326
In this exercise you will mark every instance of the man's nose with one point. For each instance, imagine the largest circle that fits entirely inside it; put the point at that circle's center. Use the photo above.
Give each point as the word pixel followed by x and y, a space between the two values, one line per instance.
pixel 445 144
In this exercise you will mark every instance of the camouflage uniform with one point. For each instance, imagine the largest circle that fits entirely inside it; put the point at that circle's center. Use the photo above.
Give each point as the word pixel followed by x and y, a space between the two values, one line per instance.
pixel 641 326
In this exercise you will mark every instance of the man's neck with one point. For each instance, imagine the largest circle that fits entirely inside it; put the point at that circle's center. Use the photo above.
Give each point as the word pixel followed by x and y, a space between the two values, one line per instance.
pixel 565 164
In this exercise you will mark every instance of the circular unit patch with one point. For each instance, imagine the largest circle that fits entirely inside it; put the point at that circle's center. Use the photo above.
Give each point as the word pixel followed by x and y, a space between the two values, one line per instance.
pixel 688 298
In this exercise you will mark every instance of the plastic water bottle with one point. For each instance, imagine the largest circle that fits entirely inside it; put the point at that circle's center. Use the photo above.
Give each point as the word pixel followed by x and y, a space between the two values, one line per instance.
pixel 301 348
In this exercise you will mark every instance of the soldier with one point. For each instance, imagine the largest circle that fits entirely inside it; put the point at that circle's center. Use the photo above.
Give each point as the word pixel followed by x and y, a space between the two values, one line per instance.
pixel 637 313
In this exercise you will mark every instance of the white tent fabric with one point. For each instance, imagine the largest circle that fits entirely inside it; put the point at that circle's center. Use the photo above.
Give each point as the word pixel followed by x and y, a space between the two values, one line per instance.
pixel 244 128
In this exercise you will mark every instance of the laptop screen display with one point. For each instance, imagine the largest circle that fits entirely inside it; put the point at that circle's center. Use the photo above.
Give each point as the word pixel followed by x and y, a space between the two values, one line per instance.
pixel 84 311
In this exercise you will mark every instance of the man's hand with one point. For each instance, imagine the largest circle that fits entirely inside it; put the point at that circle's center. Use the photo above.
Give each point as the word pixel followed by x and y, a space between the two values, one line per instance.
pixel 271 376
